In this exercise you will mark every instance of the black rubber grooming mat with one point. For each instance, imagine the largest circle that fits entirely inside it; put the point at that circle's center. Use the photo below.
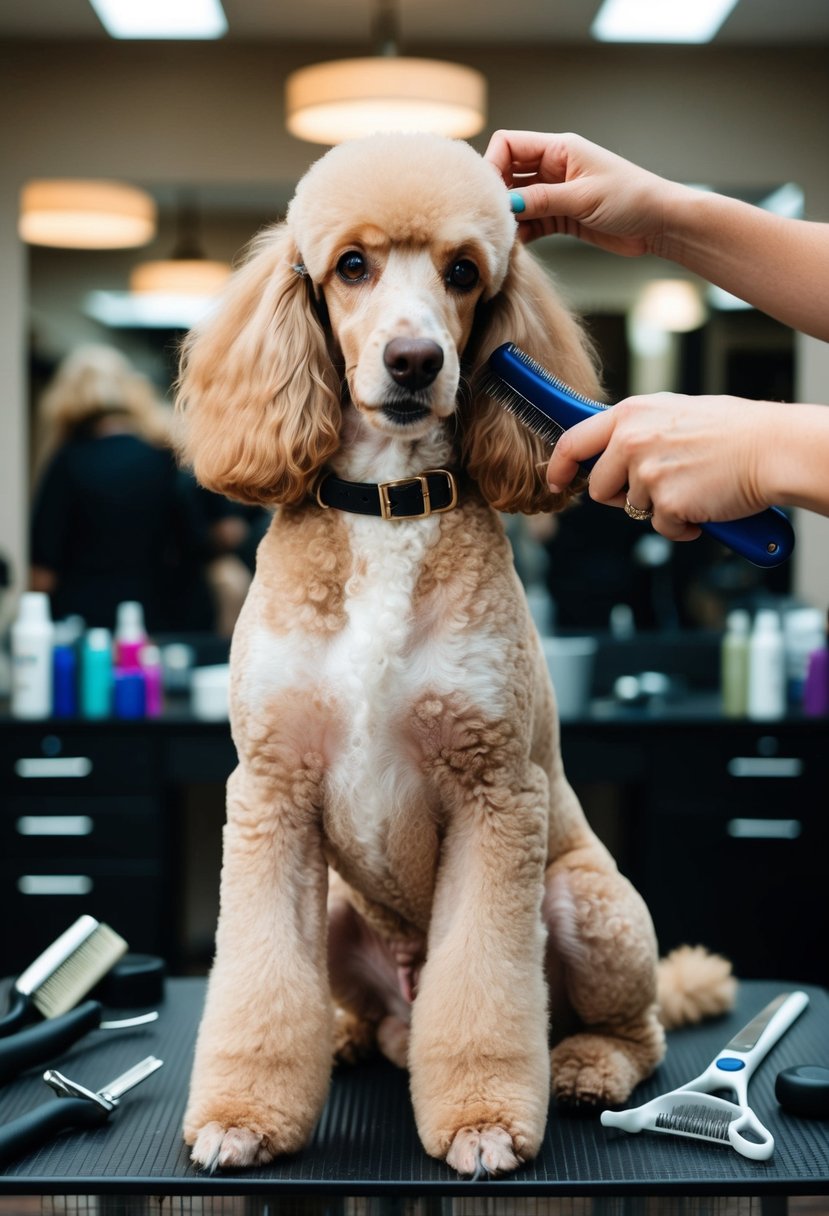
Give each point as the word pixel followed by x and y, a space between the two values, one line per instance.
pixel 366 1142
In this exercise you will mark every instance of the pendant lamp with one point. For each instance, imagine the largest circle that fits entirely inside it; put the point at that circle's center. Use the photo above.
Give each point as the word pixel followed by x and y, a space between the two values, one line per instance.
pixel 85 214
pixel 187 272
pixel 327 103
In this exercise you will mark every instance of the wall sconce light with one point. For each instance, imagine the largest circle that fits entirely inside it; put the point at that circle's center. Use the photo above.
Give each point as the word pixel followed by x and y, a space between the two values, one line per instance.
pixel 77 214
pixel 328 103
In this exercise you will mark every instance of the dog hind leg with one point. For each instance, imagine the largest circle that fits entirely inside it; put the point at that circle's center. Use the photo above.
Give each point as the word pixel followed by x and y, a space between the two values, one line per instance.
pixel 601 940
pixel 372 1007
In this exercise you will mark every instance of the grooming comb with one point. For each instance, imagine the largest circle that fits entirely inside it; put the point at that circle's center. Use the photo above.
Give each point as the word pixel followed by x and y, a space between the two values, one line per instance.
pixel 63 973
pixel 75 1106
pixel 694 1110
pixel 548 407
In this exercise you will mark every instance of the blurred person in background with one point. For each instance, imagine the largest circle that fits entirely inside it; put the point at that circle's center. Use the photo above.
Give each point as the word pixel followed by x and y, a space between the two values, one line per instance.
pixel 113 518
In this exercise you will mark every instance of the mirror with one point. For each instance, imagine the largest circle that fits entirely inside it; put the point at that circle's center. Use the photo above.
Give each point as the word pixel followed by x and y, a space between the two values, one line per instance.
pixel 590 559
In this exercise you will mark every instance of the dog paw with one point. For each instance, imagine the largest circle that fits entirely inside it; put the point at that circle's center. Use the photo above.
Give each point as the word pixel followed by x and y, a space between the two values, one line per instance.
pixel 482 1152
pixel 591 1071
pixel 217 1147
pixel 393 1040
pixel 354 1037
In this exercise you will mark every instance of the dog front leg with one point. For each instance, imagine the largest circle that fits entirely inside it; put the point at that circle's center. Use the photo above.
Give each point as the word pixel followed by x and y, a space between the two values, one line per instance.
pixel 478 1049
pixel 263 1054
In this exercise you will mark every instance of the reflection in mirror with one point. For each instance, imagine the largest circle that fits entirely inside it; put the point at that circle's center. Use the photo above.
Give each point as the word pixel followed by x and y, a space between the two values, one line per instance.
pixel 655 328
pixel 198 563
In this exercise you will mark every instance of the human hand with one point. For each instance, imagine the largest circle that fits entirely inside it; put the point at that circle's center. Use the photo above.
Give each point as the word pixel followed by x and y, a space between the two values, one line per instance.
pixel 572 187
pixel 692 460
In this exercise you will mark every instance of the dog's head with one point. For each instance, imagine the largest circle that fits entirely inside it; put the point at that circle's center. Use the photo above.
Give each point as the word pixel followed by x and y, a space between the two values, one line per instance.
pixel 395 274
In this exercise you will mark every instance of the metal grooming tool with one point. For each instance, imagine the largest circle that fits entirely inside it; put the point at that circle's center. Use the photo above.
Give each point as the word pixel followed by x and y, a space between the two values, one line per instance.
pixel 75 1106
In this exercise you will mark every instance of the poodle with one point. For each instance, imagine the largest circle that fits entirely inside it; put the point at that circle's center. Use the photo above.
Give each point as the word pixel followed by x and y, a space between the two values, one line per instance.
pixel 405 865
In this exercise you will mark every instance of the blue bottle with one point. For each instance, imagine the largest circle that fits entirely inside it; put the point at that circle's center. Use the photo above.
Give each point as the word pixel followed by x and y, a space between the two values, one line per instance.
pixel 129 694
pixel 64 674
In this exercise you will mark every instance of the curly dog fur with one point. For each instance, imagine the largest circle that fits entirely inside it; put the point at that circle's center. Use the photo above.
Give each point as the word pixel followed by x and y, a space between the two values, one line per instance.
pixel 405 864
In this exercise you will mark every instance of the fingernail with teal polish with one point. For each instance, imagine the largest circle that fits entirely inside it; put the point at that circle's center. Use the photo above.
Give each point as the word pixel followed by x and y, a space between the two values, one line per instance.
pixel 516 201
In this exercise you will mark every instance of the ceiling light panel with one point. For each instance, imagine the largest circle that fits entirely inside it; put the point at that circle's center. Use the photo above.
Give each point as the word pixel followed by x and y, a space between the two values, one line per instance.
pixel 660 20
pixel 188 19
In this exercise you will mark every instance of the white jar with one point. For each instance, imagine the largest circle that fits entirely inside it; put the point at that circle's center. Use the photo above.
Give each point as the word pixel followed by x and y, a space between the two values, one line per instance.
pixel 32 643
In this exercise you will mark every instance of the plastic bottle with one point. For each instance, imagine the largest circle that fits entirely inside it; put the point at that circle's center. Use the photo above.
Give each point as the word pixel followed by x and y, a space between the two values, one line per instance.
pixel 150 658
pixel 64 671
pixel 96 674
pixel 32 639
pixel 129 694
pixel 816 685
pixel 803 631
pixel 766 667
pixel 130 635
pixel 734 664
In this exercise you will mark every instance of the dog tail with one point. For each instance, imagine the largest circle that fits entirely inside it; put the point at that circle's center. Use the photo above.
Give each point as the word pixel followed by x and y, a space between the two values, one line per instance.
pixel 693 984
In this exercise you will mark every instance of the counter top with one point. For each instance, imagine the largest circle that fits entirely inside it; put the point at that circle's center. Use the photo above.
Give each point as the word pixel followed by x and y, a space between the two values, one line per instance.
pixel 366 1142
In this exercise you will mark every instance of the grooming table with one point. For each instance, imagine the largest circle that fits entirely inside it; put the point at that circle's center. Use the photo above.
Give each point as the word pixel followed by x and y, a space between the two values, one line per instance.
pixel 366 1143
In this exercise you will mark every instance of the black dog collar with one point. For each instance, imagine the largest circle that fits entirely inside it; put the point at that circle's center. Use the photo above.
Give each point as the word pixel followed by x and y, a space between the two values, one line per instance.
pixel 430 493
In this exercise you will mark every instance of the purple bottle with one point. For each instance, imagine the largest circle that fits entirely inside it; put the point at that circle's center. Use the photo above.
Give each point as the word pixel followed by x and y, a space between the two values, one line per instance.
pixel 816 688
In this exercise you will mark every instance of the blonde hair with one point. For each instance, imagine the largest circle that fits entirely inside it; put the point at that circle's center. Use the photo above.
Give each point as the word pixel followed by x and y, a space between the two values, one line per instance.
pixel 91 382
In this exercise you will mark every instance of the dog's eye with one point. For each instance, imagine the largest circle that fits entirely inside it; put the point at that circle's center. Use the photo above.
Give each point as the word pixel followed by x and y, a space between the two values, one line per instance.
pixel 352 266
pixel 463 274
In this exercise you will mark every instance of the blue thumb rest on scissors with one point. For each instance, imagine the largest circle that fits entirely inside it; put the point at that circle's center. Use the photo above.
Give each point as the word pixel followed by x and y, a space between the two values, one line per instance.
pixel 538 398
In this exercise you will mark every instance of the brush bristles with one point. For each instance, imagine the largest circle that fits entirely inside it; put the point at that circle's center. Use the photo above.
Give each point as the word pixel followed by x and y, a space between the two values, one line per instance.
pixel 528 415
pixel 71 981
pixel 556 381
pixel 691 1119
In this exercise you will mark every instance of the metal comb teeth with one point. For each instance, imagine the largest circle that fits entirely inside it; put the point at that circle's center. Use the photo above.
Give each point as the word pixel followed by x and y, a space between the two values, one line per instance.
pixel 530 415
pixel 551 378
pixel 696 1120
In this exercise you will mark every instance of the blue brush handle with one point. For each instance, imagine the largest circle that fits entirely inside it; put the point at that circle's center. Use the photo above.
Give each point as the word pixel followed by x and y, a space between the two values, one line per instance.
pixel 765 539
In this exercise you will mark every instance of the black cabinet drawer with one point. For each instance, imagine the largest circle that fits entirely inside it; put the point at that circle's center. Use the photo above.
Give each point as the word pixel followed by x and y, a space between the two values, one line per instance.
pixel 742 767
pixel 758 898
pixel 71 827
pixel 37 904
pixel 67 760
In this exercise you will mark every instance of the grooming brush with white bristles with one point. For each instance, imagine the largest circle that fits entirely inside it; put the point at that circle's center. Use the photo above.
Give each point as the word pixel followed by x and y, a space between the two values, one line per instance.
pixel 548 407
pixel 694 1110
pixel 64 973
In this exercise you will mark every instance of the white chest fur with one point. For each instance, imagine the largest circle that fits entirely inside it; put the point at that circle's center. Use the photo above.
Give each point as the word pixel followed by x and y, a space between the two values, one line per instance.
pixel 375 665
pixel 366 678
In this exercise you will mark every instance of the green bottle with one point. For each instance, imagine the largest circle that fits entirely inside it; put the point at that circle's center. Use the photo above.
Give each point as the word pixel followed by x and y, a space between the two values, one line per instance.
pixel 734 664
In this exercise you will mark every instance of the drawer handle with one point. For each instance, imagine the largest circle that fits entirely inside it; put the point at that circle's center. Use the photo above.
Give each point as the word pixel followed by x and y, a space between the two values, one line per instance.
pixel 765 766
pixel 55 825
pixel 53 766
pixel 764 829
pixel 54 884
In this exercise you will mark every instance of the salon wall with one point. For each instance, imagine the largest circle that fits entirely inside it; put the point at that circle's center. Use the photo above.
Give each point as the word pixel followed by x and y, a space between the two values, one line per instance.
pixel 212 113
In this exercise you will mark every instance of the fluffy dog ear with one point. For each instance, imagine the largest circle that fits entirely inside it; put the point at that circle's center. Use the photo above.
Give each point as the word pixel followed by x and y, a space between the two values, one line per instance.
pixel 508 461
pixel 258 396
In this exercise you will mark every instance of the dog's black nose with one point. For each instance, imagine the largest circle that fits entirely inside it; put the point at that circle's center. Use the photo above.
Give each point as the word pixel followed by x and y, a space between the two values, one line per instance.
pixel 413 362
